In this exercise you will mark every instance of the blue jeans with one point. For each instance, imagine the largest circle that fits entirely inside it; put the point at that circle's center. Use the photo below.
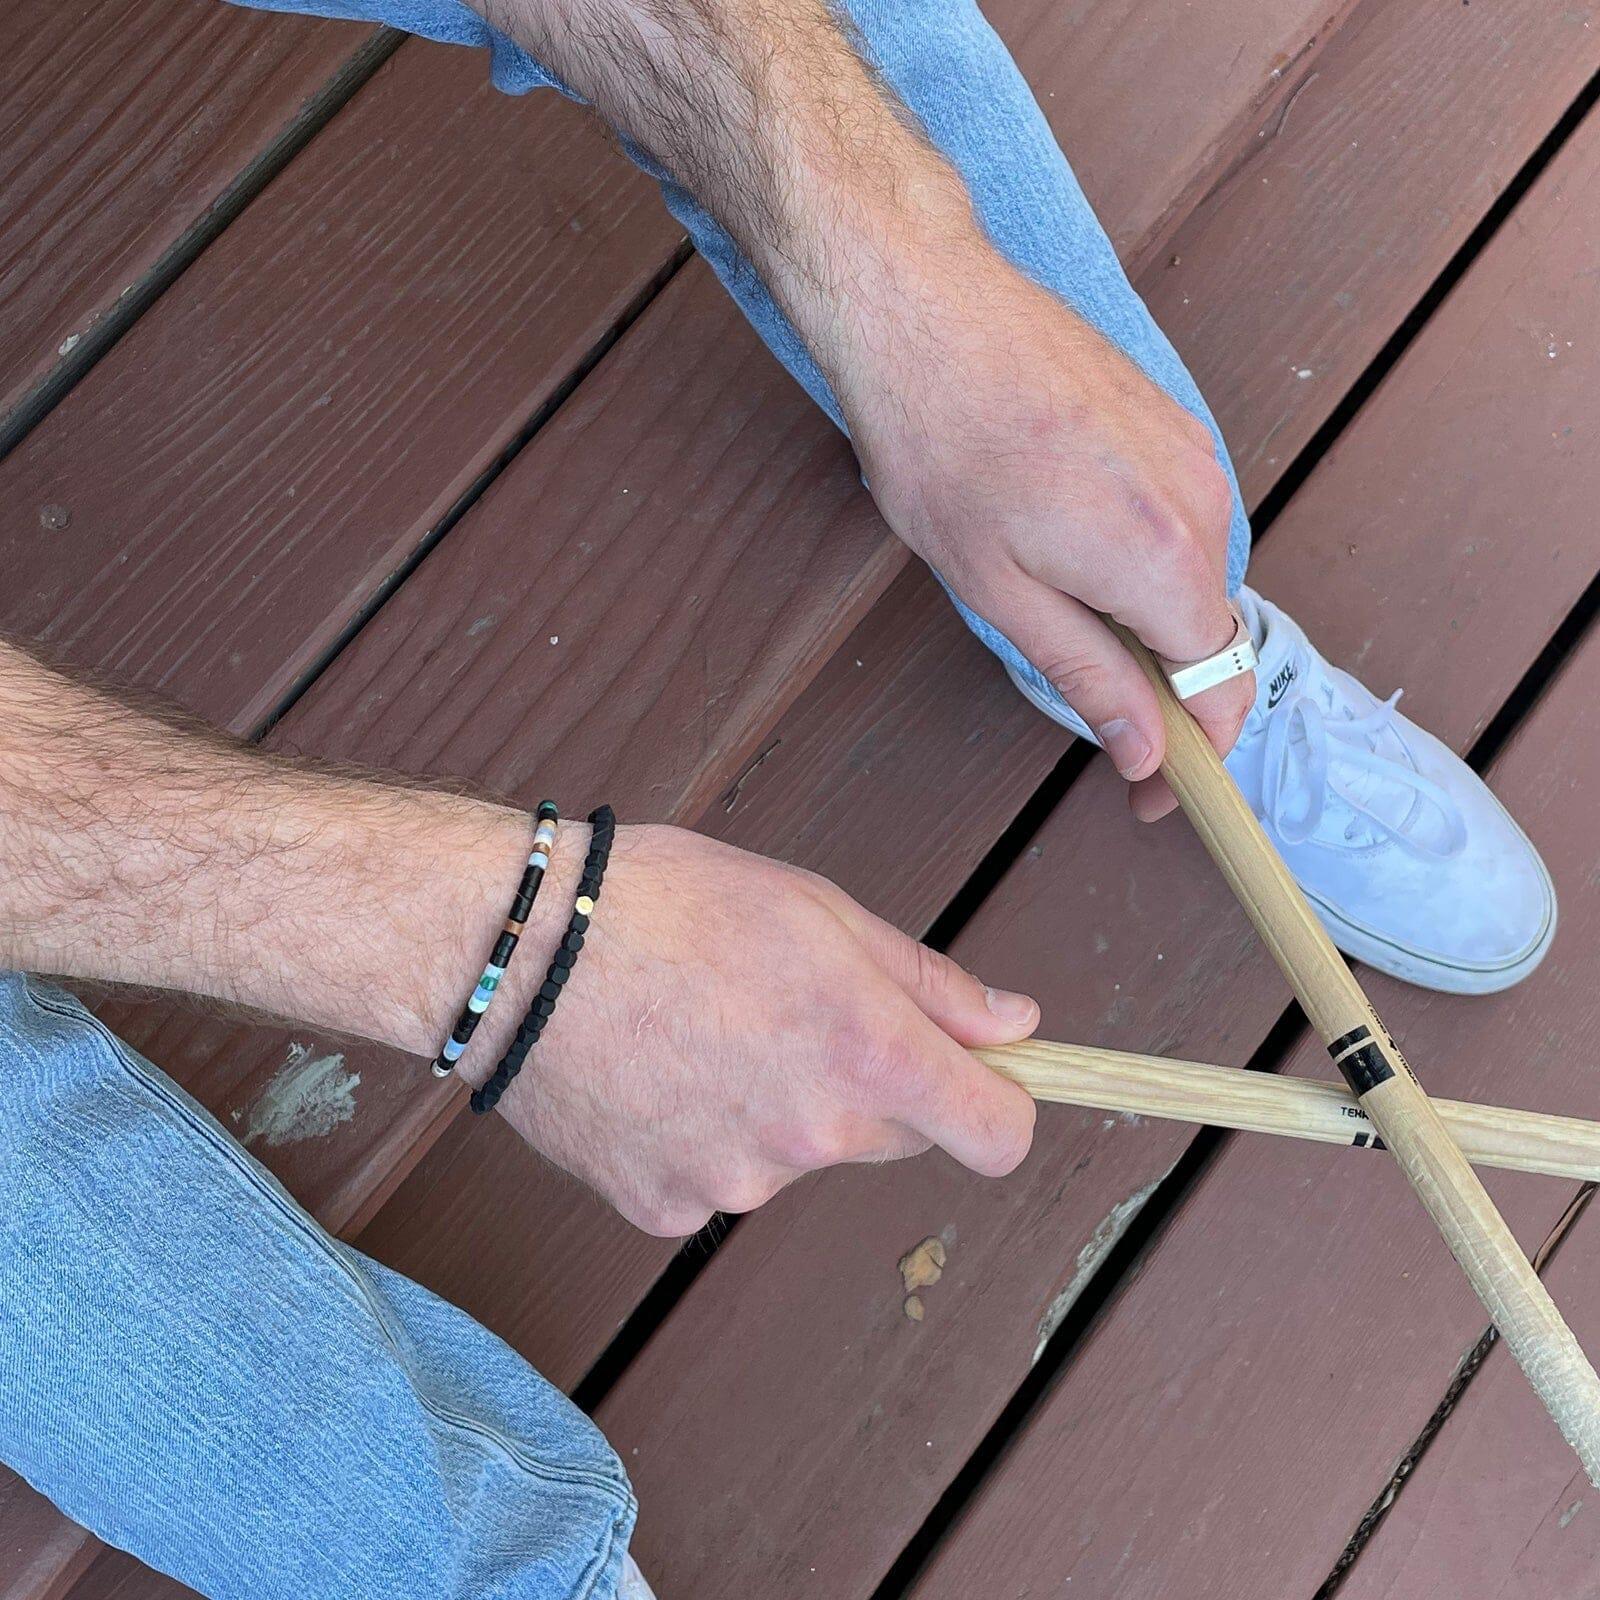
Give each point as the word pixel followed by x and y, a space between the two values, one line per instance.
pixel 189 1364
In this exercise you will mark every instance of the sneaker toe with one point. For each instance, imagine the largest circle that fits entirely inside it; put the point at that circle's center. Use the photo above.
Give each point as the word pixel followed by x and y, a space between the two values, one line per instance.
pixel 1472 923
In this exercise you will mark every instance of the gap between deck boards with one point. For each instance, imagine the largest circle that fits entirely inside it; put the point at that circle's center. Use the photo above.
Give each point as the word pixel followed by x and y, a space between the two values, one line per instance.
pixel 1471 1365
pixel 88 348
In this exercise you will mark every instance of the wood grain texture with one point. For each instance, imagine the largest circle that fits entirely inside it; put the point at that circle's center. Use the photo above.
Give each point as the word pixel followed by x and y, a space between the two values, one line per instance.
pixel 41 1553
pixel 1133 1084
pixel 1421 113
pixel 121 123
pixel 842 1421
pixel 1153 101
pixel 1230 1419
pixel 1492 1508
pixel 278 436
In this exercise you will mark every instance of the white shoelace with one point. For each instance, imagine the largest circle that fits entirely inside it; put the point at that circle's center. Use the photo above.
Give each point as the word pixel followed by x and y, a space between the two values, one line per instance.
pixel 1299 776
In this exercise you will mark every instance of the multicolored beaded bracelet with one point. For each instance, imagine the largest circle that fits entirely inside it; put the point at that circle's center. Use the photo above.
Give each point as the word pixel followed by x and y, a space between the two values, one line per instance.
pixel 604 822
pixel 544 841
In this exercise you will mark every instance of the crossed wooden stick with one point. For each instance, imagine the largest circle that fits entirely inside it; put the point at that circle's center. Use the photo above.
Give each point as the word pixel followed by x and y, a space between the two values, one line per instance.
pixel 1262 1102
pixel 1384 1096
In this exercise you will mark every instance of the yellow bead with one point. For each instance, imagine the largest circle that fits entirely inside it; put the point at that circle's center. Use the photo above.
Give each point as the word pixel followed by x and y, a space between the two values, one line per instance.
pixel 584 905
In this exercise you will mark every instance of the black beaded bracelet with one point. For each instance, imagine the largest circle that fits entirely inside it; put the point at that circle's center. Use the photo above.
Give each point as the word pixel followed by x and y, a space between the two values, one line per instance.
pixel 544 839
pixel 604 822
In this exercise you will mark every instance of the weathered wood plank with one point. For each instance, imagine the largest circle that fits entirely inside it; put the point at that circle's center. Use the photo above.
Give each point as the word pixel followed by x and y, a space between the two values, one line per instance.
pixel 842 1421
pixel 1241 1404
pixel 1496 1506
pixel 1153 101
pixel 121 124
pixel 276 439
pixel 1424 112
pixel 41 1553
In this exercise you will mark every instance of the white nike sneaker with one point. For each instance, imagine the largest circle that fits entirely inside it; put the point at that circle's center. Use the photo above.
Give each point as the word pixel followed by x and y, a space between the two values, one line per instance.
pixel 1412 864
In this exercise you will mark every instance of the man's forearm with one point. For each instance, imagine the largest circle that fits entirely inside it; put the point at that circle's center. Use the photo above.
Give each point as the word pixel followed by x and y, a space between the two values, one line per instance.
pixel 137 851
pixel 765 111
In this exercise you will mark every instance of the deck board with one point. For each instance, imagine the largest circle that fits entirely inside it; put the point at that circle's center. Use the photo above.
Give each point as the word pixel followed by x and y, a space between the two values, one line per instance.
pixel 121 125
pixel 1127 936
pixel 1497 1506
pixel 1424 113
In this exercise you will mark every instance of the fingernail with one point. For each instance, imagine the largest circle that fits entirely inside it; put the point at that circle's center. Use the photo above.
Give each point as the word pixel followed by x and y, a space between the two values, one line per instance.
pixel 1009 1007
pixel 1127 747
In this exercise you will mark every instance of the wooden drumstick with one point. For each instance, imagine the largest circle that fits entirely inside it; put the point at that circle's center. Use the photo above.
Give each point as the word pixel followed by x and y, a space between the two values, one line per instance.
pixel 1379 1076
pixel 1263 1102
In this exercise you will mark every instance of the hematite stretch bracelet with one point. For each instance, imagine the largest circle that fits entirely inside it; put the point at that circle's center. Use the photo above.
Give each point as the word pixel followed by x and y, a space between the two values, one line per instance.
pixel 544 839
pixel 604 822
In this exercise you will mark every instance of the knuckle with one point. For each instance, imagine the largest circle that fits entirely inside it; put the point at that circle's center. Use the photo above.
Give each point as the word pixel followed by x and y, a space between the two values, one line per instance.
pixel 669 1219
pixel 875 1066
pixel 1011 1139
pixel 930 971
pixel 1174 546
pixel 806 1146
pixel 738 1192
pixel 1081 680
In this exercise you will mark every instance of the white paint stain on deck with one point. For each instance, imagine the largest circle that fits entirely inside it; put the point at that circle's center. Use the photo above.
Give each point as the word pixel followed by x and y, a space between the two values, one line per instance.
pixel 1101 1243
pixel 309 1095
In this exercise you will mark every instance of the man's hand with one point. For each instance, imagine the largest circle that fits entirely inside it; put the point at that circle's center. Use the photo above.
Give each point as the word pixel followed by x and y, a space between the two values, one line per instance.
pixel 733 1023
pixel 1051 482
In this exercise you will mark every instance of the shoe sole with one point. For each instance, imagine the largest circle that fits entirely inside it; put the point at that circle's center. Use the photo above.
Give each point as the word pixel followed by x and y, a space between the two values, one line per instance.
pixel 1362 944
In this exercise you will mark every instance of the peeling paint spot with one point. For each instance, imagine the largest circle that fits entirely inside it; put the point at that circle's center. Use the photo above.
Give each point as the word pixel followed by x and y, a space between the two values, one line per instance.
pixel 310 1095
pixel 923 1265
pixel 1101 1243
pixel 1566 1516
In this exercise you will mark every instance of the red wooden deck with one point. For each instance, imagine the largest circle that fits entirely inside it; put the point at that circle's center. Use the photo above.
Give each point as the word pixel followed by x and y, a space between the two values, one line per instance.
pixel 313 349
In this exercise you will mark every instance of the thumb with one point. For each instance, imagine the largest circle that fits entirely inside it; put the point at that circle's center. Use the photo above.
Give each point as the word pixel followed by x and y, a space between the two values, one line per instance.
pixel 1075 649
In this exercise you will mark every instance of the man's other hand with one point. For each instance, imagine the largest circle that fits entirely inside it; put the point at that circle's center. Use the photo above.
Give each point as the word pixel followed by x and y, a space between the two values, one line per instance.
pixel 734 1022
